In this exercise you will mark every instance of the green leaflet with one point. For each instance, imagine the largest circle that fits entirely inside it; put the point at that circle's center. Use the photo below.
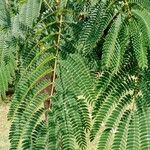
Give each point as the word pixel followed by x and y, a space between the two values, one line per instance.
pixel 139 48
pixel 7 63
pixel 29 12
pixel 100 18
pixel 141 3
pixel 111 46
pixel 118 121
pixel 4 15
pixel 144 24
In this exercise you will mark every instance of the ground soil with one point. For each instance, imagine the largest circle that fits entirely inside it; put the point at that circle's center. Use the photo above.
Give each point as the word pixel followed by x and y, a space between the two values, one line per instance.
pixel 4 127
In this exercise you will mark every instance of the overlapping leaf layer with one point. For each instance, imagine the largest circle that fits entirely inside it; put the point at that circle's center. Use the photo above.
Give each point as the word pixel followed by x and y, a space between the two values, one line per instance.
pixel 83 73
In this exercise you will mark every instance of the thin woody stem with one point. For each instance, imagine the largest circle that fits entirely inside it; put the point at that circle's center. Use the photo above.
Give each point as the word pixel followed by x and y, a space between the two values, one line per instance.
pixel 127 4
pixel 48 5
pixel 53 76
pixel 56 58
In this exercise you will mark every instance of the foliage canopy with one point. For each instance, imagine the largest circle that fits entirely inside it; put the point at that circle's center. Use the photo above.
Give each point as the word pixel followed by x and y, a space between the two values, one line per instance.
pixel 88 62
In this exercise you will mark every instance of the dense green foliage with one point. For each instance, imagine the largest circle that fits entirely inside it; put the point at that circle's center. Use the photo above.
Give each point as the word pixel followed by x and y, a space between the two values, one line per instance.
pixel 82 70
